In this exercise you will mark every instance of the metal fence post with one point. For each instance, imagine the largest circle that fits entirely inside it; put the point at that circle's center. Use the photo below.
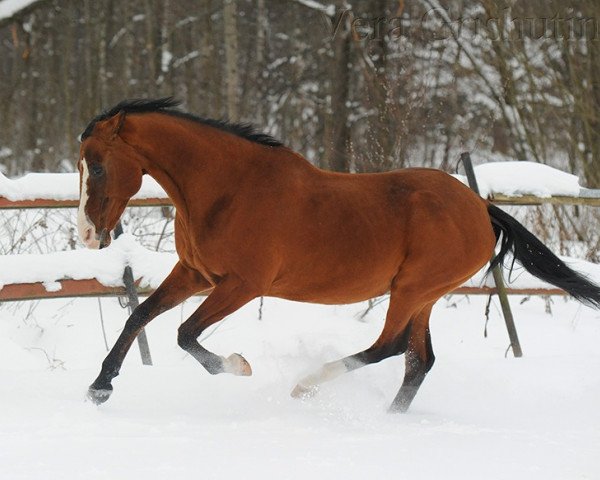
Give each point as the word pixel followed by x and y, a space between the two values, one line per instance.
pixel 496 271
pixel 132 303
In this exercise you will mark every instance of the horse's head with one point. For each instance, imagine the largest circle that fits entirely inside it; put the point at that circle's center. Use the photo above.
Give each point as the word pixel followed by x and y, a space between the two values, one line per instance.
pixel 110 173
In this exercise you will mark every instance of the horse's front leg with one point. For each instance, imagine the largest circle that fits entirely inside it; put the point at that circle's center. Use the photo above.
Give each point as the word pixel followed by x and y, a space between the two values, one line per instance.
pixel 181 283
pixel 229 295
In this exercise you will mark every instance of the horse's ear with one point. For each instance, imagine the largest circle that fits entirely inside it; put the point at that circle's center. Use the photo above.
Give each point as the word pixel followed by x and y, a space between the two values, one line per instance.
pixel 115 123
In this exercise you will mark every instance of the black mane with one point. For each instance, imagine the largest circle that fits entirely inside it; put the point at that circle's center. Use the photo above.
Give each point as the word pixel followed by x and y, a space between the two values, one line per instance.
pixel 167 106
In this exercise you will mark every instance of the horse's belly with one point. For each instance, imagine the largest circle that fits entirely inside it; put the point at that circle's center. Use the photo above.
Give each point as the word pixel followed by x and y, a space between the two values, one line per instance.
pixel 335 286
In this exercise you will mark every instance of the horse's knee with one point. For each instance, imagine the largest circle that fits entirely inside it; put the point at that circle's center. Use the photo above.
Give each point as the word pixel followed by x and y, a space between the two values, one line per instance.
pixel 185 338
pixel 137 320
pixel 133 325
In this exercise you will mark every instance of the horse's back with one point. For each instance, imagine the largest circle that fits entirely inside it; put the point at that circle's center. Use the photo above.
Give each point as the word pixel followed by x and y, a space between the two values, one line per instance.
pixel 345 237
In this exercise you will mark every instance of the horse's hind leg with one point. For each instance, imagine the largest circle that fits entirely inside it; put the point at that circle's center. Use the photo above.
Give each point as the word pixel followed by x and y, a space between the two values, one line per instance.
pixel 392 341
pixel 419 360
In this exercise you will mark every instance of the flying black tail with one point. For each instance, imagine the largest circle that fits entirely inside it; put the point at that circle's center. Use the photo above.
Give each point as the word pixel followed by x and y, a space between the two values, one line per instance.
pixel 538 260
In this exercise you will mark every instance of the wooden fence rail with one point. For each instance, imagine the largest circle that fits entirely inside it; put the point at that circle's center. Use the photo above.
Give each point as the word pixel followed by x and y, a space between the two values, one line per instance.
pixel 587 196
pixel 6 204
pixel 93 288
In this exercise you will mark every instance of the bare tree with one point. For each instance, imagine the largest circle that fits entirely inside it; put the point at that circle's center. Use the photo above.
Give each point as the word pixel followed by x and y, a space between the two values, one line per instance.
pixel 231 60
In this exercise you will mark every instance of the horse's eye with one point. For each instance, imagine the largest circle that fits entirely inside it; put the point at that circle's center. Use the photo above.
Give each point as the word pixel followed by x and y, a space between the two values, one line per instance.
pixel 96 169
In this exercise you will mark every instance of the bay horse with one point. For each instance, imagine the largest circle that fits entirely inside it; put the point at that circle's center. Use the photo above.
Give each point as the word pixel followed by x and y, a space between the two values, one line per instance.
pixel 254 218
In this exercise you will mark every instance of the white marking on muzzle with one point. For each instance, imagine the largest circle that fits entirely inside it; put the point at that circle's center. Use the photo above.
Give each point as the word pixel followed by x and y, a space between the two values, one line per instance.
pixel 87 230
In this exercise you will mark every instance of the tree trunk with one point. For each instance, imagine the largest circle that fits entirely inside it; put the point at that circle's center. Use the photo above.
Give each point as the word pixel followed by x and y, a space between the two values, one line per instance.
pixel 231 52
pixel 337 134
pixel 262 26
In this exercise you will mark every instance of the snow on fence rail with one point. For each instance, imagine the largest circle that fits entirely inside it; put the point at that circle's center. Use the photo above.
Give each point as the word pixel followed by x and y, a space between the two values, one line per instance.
pixel 100 272
pixel 61 190
pixel 83 272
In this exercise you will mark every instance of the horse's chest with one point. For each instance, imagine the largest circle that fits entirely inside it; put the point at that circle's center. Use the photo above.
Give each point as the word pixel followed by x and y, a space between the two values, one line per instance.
pixel 195 255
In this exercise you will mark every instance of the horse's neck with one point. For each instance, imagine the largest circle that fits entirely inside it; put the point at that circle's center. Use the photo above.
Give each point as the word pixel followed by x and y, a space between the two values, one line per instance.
pixel 193 170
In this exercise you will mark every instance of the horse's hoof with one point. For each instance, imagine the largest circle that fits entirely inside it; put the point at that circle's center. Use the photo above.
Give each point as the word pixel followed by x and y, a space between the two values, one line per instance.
pixel 302 392
pixel 99 395
pixel 237 365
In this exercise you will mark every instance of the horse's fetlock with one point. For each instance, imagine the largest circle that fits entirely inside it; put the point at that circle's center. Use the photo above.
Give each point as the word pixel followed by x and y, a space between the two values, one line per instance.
pixel 214 366
pixel 109 370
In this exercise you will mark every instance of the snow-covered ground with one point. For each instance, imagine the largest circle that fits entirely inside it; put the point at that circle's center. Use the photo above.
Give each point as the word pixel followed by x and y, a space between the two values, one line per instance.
pixel 478 414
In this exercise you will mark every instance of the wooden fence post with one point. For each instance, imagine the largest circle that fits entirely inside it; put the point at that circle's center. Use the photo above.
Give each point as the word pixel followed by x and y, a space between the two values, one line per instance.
pixel 496 271
pixel 132 303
